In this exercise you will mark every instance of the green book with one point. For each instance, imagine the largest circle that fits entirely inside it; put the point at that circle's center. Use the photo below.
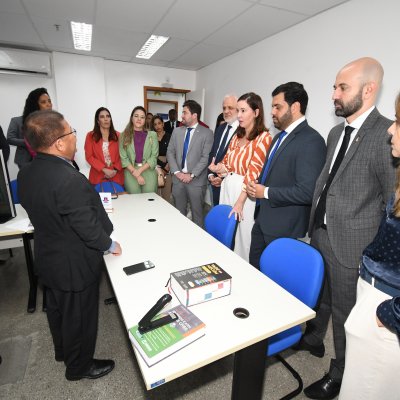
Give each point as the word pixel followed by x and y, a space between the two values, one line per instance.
pixel 160 343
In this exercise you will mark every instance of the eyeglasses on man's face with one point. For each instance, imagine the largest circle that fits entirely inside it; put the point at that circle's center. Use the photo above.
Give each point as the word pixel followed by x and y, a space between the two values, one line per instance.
pixel 73 132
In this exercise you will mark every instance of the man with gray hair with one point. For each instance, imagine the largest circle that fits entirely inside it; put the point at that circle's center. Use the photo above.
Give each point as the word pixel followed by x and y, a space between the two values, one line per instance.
pixel 222 137
pixel 72 232
pixel 349 199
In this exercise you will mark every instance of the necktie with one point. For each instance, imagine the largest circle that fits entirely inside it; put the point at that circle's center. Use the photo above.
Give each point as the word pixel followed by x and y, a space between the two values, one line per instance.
pixel 321 206
pixel 264 175
pixel 271 156
pixel 185 147
pixel 221 148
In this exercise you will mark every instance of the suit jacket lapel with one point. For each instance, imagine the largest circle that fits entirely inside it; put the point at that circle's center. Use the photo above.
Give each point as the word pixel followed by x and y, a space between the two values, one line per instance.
pixel 366 126
pixel 329 157
pixel 287 140
pixel 194 138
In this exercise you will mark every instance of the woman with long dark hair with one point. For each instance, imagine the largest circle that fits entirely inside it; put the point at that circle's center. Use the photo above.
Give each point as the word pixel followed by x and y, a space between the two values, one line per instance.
pixel 102 150
pixel 37 99
pixel 157 125
pixel 138 149
pixel 242 163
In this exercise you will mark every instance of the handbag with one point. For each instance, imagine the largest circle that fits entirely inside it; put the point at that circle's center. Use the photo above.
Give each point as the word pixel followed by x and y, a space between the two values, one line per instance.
pixel 160 179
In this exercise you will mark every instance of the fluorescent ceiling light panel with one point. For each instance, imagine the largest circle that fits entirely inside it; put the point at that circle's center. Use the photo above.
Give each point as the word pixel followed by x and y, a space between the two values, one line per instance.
pixel 151 46
pixel 82 35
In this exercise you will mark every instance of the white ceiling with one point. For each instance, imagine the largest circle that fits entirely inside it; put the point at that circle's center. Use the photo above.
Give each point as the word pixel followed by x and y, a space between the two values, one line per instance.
pixel 201 31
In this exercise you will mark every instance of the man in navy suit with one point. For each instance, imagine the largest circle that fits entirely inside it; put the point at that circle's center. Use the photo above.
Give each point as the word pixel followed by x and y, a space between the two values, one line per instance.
pixel 222 137
pixel 286 184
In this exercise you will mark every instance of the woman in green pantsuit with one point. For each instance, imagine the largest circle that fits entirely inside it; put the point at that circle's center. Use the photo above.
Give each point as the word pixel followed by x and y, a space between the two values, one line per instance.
pixel 138 149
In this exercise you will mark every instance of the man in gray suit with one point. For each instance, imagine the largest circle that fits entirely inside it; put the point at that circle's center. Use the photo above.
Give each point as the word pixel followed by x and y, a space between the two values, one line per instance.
pixel 187 156
pixel 287 181
pixel 349 199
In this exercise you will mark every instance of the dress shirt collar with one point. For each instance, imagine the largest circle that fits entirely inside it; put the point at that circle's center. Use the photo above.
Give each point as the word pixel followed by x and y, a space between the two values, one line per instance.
pixel 295 124
pixel 234 126
pixel 193 127
pixel 356 124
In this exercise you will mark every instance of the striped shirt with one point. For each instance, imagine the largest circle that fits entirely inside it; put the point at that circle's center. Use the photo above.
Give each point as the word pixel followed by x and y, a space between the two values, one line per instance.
pixel 249 159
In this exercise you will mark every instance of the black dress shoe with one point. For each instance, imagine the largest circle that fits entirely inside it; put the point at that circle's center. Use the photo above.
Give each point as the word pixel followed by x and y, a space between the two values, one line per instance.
pixel 325 388
pixel 98 369
pixel 315 350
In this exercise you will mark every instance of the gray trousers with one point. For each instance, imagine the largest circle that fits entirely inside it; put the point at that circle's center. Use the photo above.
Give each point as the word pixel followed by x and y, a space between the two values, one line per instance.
pixel 186 192
pixel 338 298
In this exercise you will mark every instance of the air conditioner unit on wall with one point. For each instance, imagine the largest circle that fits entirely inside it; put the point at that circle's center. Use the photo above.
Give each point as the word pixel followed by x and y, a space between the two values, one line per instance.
pixel 26 62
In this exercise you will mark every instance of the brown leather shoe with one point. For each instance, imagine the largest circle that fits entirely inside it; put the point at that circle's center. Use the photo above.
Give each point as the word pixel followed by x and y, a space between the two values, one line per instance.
pixel 98 369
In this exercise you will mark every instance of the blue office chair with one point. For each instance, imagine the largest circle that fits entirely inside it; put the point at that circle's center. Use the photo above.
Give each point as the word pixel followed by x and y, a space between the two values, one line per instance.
pixel 109 187
pixel 218 224
pixel 299 269
pixel 14 191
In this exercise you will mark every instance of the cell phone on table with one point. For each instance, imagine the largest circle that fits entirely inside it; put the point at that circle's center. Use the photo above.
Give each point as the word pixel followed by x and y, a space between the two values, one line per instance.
pixel 143 266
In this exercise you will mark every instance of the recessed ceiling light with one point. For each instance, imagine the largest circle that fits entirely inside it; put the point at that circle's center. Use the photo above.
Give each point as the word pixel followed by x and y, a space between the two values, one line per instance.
pixel 82 35
pixel 151 46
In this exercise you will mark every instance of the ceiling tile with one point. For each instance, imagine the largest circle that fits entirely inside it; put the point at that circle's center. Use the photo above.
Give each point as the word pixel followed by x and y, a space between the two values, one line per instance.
pixel 306 7
pixel 203 54
pixel 140 16
pixel 261 21
pixel 11 6
pixel 18 29
pixel 173 49
pixel 196 20
pixel 117 41
pixel 47 30
pixel 71 10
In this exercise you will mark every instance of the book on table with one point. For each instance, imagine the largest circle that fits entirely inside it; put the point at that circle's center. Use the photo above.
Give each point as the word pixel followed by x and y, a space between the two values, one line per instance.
pixel 196 285
pixel 160 343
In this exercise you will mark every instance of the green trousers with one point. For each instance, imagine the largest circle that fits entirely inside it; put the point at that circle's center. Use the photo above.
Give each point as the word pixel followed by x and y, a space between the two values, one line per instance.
pixel 132 186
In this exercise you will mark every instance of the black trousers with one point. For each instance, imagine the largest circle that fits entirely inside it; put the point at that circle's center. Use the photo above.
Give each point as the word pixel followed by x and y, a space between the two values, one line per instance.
pixel 73 320
pixel 259 242
pixel 338 298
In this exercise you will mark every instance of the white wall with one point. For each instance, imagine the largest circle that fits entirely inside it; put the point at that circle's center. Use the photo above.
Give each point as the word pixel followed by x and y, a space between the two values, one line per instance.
pixel 81 84
pixel 312 53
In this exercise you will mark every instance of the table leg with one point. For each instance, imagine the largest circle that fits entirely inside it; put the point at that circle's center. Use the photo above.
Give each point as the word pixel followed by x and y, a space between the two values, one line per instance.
pixel 26 237
pixel 248 372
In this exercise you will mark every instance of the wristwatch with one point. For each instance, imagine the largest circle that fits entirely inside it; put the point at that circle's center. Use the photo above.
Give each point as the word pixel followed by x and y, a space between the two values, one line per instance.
pixel 192 176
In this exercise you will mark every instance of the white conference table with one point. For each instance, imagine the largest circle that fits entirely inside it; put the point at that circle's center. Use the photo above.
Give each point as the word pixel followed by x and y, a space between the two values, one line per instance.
pixel 14 236
pixel 173 243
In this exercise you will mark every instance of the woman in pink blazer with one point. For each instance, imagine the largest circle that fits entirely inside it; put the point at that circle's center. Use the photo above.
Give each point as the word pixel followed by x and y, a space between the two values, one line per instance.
pixel 102 151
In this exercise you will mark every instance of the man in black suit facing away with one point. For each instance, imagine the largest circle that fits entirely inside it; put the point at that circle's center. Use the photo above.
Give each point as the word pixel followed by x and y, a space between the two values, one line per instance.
pixel 72 232
pixel 286 184
pixel 222 137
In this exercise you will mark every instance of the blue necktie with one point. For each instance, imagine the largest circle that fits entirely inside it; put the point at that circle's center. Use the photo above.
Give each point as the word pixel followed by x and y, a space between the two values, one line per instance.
pixel 185 147
pixel 221 149
pixel 271 157
pixel 264 175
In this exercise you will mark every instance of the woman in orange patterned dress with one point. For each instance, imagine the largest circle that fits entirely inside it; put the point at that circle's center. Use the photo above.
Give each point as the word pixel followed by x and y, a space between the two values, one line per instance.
pixel 242 163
